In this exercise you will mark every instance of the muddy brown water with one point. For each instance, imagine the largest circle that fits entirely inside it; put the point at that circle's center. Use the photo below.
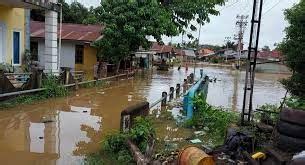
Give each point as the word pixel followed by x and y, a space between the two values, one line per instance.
pixel 63 130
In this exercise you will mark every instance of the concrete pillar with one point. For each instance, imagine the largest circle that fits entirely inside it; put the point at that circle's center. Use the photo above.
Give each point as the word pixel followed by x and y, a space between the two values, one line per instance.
pixel 51 46
pixel 27 28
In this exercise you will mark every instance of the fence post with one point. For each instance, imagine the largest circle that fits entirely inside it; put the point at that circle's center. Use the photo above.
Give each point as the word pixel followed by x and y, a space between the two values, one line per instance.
pixel 192 78
pixel 188 79
pixel 184 85
pixel 177 90
pixel 171 93
pixel 164 98
pixel 76 84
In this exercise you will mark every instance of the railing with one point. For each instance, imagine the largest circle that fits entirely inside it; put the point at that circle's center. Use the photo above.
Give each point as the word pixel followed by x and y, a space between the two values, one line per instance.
pixel 201 87
pixel 67 85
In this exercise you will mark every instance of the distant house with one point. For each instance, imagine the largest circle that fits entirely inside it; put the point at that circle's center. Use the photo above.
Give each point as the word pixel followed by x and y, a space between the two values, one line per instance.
pixel 190 55
pixel 76 48
pixel 163 52
pixel 180 54
pixel 273 55
pixel 143 59
pixel 205 53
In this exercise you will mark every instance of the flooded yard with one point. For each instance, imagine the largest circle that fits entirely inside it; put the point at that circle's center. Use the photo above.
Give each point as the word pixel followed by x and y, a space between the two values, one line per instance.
pixel 64 130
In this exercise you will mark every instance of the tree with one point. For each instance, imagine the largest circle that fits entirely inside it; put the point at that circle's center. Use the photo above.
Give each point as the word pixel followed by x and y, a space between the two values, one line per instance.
pixel 192 44
pixel 127 23
pixel 266 48
pixel 230 45
pixel 73 13
pixel 293 47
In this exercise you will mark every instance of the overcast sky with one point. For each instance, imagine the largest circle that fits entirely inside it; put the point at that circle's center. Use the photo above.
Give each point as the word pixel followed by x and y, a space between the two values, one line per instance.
pixel 223 25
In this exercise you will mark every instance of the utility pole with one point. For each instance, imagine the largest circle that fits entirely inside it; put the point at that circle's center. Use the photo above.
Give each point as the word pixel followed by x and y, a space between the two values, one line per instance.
pixel 241 24
pixel 227 40
pixel 251 61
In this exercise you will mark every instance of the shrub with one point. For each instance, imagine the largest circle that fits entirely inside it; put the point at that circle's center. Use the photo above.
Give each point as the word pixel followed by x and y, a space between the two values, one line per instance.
pixel 115 144
pixel 53 87
pixel 215 119
pixel 268 117
pixel 295 103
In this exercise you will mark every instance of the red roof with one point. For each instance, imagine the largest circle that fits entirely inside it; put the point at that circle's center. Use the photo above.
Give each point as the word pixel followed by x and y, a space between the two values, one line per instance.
pixel 77 32
pixel 161 48
pixel 269 54
pixel 205 52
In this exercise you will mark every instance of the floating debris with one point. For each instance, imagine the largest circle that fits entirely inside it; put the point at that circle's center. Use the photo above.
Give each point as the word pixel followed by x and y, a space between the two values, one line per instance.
pixel 46 120
pixel 196 141
pixel 199 133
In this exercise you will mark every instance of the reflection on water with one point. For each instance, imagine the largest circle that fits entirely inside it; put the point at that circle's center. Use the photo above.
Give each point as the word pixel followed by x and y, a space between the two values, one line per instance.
pixel 63 130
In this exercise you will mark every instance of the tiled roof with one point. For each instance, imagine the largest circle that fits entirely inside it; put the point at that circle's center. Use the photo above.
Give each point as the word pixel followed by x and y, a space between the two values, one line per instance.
pixel 77 32
pixel 161 48
pixel 269 54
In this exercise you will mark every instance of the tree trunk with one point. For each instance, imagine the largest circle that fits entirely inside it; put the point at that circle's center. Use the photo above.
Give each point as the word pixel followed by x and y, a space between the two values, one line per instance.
pixel 118 67
pixel 136 153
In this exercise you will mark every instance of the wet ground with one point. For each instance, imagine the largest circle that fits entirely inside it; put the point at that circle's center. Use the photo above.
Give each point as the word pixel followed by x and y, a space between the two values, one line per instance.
pixel 63 130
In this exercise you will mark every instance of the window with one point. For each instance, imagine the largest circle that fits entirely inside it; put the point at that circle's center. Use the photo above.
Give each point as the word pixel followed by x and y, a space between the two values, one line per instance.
pixel 79 54
pixel 16 48
pixel 34 51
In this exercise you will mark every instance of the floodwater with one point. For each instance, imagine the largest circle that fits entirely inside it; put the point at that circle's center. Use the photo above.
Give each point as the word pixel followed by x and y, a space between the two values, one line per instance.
pixel 63 130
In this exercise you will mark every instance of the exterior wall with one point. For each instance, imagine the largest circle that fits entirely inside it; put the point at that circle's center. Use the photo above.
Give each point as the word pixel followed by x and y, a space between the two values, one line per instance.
pixel 67 58
pixel 89 61
pixel 12 19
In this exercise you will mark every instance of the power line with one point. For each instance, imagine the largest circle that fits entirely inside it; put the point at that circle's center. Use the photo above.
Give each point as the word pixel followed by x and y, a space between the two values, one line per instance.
pixel 272 7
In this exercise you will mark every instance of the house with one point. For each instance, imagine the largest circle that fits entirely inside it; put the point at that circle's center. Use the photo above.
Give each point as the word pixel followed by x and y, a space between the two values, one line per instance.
pixel 205 53
pixel 163 52
pixel 273 55
pixel 76 52
pixel 12 34
pixel 180 55
pixel 143 59
pixel 15 31
pixel 189 55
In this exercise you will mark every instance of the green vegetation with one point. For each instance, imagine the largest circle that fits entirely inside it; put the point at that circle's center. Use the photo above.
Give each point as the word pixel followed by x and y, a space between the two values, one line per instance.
pixel 213 120
pixel 293 49
pixel 72 13
pixel 128 23
pixel 269 115
pixel 296 103
pixel 114 147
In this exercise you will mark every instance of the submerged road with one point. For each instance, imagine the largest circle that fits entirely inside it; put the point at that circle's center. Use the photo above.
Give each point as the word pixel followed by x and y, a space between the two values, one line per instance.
pixel 63 130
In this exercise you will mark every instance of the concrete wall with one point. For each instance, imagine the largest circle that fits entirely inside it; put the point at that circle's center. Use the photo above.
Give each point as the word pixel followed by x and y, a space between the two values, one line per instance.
pixel 11 19
pixel 67 58
pixel 89 61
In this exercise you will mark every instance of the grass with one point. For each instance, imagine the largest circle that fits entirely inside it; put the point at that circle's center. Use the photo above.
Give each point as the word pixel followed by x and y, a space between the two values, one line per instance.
pixel 212 120
pixel 114 148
